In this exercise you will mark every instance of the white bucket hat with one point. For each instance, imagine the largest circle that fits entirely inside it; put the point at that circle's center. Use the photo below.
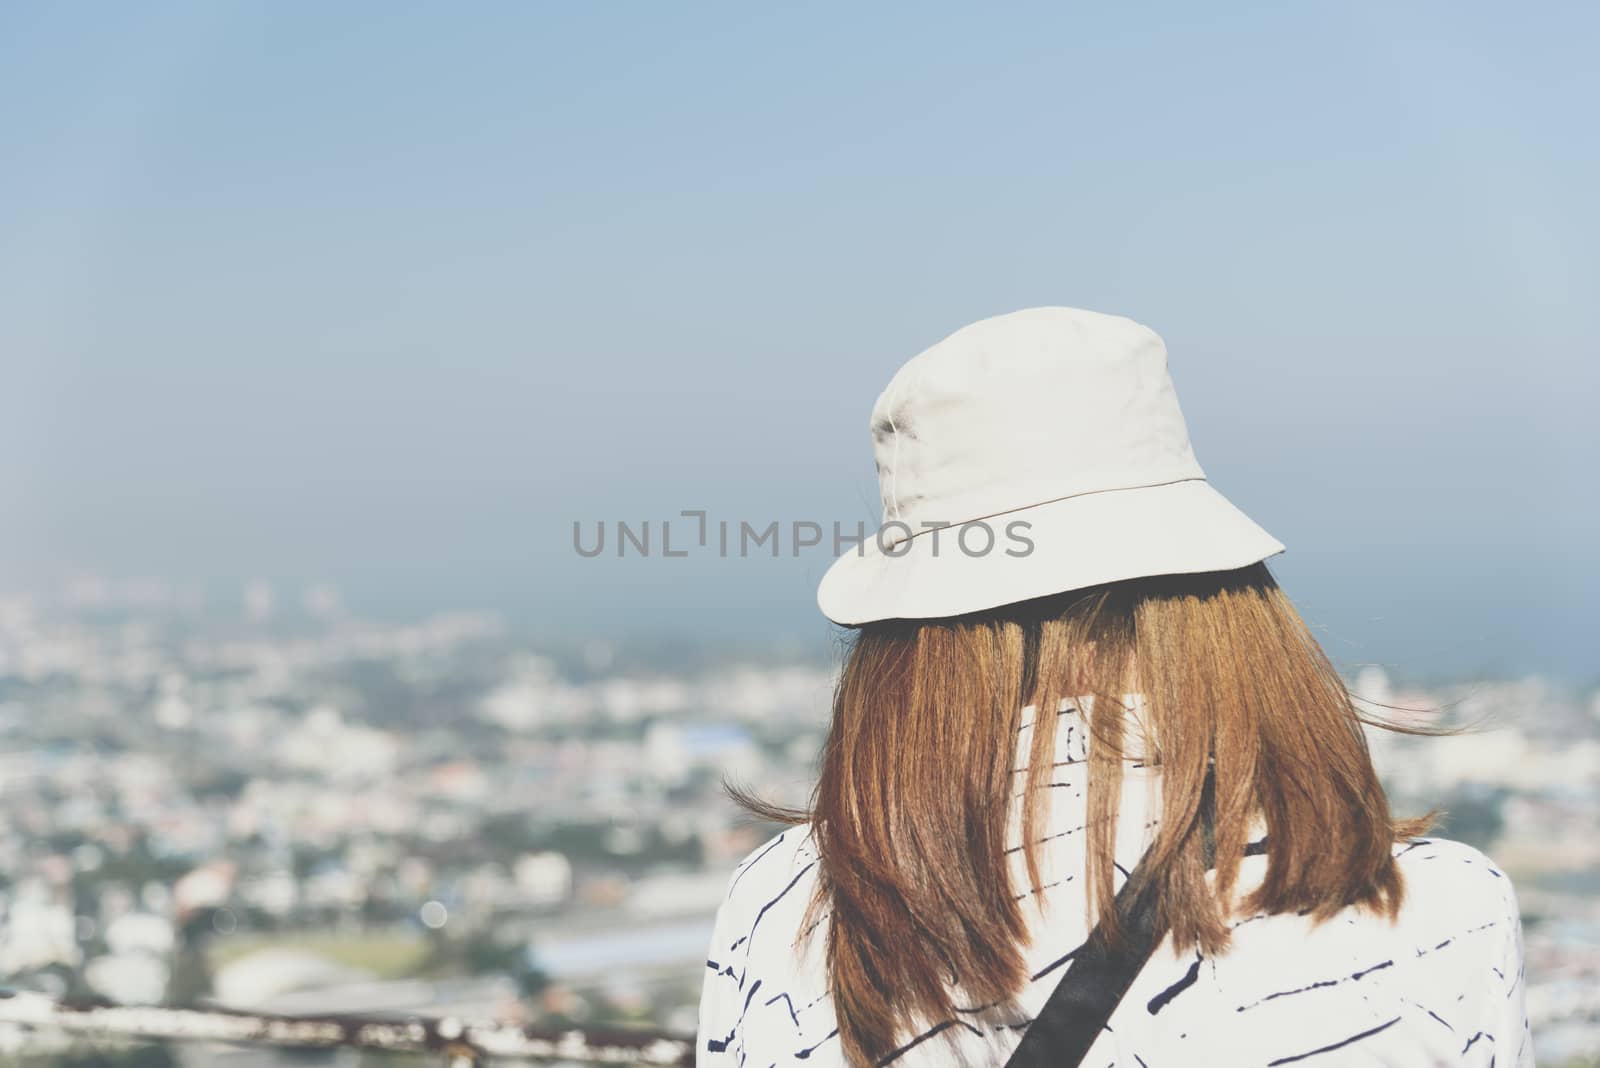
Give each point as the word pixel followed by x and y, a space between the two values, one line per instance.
pixel 1050 443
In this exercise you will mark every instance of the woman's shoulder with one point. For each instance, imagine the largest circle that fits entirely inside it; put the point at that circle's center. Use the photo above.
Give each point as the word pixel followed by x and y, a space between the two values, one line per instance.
pixel 1458 914
pixel 1443 874
pixel 1460 905
pixel 766 989
pixel 783 863
pixel 1443 976
pixel 766 922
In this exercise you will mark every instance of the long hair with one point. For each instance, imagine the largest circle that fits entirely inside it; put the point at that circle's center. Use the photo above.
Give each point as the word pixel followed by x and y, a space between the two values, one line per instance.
pixel 913 805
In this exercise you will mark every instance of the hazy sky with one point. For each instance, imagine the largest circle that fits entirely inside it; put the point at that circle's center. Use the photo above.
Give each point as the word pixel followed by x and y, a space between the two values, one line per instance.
pixel 388 295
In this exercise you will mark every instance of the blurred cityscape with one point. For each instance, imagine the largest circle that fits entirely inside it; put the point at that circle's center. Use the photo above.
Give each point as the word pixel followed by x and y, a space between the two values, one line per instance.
pixel 277 806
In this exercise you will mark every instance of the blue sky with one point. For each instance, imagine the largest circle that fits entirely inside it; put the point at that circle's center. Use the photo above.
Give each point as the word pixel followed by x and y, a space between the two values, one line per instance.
pixel 390 294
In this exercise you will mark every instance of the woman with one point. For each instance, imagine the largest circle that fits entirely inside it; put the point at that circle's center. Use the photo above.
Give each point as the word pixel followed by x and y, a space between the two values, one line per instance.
pixel 1083 743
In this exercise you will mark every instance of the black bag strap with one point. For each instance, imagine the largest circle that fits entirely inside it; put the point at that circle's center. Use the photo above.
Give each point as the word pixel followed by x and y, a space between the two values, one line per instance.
pixel 1099 975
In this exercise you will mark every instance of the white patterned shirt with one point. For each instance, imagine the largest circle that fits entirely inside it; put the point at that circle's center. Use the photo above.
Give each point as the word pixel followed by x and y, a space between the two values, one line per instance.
pixel 1441 986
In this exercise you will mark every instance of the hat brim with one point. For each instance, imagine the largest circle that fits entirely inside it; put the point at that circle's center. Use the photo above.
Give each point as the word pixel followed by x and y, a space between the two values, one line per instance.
pixel 1179 528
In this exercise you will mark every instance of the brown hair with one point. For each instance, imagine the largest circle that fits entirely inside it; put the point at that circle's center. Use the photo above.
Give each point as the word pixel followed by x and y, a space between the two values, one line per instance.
pixel 913 805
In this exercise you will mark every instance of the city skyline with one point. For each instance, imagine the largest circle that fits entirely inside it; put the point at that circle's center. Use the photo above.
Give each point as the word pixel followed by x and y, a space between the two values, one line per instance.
pixel 276 300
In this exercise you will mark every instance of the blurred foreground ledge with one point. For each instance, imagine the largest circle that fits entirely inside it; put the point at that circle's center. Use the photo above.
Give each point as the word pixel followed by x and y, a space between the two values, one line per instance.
pixel 461 1043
